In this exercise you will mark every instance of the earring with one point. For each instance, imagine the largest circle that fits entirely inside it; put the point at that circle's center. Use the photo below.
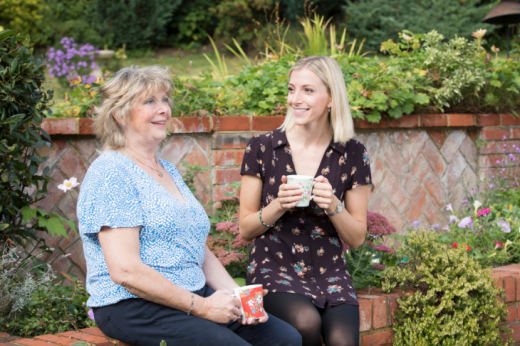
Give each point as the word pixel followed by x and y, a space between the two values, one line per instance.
pixel 330 109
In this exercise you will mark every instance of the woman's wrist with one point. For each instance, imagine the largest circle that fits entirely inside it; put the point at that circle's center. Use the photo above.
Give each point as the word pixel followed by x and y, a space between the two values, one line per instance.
pixel 199 306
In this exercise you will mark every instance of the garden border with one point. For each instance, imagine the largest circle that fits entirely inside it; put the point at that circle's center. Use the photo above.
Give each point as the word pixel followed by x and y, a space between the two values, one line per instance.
pixel 375 310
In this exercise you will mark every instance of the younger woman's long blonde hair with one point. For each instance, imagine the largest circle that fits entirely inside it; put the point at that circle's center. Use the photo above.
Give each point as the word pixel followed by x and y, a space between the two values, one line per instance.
pixel 330 74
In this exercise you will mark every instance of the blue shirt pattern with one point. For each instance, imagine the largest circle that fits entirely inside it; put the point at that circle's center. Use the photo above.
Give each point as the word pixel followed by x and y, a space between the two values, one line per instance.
pixel 118 193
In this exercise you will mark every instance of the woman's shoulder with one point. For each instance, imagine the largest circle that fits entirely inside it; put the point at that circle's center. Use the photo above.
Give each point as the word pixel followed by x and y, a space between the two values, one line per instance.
pixel 261 141
pixel 354 146
pixel 109 165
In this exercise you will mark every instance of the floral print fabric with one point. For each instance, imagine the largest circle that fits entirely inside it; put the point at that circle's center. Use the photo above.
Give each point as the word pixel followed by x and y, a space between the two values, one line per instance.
pixel 302 253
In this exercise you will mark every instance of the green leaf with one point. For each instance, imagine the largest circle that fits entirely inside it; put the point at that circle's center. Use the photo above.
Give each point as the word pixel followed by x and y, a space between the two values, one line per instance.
pixel 495 83
pixel 240 281
pixel 55 227
pixel 28 213
pixel 3 226
pixel 6 33
pixel 13 120
pixel 14 65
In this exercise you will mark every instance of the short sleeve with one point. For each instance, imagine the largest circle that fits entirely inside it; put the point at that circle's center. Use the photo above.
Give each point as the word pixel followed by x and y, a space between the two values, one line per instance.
pixel 253 158
pixel 108 198
pixel 361 174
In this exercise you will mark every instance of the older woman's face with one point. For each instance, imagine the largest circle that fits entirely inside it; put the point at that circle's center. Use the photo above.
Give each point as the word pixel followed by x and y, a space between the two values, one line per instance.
pixel 308 96
pixel 149 118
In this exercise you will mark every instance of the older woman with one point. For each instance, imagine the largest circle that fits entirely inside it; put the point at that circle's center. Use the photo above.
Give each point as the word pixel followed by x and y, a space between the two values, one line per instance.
pixel 150 275
pixel 298 250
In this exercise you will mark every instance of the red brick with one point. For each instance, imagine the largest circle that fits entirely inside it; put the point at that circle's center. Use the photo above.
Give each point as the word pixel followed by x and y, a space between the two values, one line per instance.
pixel 365 124
pixel 461 120
pixel 379 312
pixel 510 120
pixel 72 165
pixel 493 133
pixel 380 338
pixel 431 212
pixel 438 136
pixel 10 344
pixel 60 340
pixel 488 119
pixel 434 158
pixel 31 342
pixel 435 188
pixel 99 341
pixel 454 171
pixel 406 121
pixel 3 334
pixel 189 125
pixel 416 175
pixel 230 140
pixel 512 313
pixel 434 120
pixel 269 123
pixel 517 281
pixel 395 162
pixel 86 147
pixel 498 281
pixel 239 157
pixel 452 144
pixel 515 133
pixel 175 149
pixel 93 331
pixel 219 192
pixel 395 192
pixel 54 193
pixel 85 126
pixel 365 315
pixel 414 146
pixel 516 332
pixel 488 148
pixel 473 133
pixel 65 126
pixel 509 287
pixel 392 308
pixel 394 217
pixel 227 123
pixel 224 158
pixel 415 207
pixel 491 161
pixel 226 176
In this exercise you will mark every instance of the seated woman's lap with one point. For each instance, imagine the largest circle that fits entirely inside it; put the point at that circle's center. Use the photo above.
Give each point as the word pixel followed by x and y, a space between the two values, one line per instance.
pixel 143 323
pixel 339 325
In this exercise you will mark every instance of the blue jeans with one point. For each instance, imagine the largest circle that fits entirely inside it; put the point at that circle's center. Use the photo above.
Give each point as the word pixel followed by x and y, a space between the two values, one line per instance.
pixel 143 323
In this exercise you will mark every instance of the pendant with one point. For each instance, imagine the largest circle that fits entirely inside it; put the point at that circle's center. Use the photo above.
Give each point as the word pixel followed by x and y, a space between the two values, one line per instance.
pixel 160 174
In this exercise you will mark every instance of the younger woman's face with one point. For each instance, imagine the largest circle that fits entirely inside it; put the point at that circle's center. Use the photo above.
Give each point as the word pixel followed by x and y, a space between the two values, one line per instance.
pixel 308 97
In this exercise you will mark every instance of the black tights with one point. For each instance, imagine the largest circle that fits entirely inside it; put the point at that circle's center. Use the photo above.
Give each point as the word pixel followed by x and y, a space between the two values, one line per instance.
pixel 339 325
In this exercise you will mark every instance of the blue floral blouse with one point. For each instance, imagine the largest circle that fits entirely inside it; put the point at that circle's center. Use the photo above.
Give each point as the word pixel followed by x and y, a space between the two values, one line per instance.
pixel 118 193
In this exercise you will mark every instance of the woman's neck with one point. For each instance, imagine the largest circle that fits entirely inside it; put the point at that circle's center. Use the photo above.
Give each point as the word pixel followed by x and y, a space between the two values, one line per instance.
pixel 314 134
pixel 145 153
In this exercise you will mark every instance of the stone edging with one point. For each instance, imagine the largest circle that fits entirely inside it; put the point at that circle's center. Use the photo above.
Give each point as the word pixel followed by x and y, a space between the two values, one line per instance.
pixel 83 126
pixel 375 310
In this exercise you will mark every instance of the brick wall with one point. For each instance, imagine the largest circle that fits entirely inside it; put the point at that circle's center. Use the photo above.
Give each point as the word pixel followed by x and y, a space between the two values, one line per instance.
pixel 375 312
pixel 419 162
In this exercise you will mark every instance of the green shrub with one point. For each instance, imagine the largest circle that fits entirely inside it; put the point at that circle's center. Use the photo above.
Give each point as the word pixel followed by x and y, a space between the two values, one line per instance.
pixel 136 23
pixel 34 301
pixel 378 21
pixel 451 300
pixel 192 23
pixel 21 15
pixel 23 106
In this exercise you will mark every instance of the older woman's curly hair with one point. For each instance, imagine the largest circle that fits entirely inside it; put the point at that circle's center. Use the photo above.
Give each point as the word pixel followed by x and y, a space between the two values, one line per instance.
pixel 120 93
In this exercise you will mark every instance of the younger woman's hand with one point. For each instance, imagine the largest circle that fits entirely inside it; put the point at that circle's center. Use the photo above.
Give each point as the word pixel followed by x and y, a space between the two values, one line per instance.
pixel 324 194
pixel 289 194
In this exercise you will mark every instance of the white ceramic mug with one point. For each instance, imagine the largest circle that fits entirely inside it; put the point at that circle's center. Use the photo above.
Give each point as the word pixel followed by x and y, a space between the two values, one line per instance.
pixel 305 182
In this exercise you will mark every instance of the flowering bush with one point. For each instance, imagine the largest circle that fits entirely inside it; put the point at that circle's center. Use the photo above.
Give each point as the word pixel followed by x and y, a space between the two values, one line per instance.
pixel 450 299
pixel 72 60
pixel 230 248
pixel 367 263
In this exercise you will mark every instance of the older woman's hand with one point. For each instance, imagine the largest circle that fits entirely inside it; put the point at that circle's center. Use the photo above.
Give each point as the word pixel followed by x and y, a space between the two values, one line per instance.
pixel 221 307
pixel 289 194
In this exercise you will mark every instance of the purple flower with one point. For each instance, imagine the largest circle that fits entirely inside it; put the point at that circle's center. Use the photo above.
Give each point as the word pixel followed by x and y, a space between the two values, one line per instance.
pixel 415 223
pixel 466 222
pixel 464 202
pixel 511 157
pixel 378 266
pixel 491 186
pixel 436 226
pixel 505 227
pixel 385 248
pixel 91 315
pixel 453 218
pixel 504 138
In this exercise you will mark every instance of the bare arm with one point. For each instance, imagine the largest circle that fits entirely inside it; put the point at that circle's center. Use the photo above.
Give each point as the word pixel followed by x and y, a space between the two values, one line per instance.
pixel 250 204
pixel 217 276
pixel 121 250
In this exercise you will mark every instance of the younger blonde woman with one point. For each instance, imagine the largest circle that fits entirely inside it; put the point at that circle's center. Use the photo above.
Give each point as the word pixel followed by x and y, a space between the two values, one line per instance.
pixel 297 252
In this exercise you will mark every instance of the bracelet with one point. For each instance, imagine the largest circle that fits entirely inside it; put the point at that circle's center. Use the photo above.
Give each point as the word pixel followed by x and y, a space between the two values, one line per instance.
pixel 262 221
pixel 192 301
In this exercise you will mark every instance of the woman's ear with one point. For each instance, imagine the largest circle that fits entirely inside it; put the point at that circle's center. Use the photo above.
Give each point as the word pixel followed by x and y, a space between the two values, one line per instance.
pixel 119 119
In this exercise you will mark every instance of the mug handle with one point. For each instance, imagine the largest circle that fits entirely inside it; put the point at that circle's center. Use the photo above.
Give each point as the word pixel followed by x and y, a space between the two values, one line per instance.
pixel 236 295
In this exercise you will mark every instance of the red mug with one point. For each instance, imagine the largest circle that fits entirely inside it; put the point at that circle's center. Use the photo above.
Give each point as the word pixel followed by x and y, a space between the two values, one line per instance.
pixel 251 301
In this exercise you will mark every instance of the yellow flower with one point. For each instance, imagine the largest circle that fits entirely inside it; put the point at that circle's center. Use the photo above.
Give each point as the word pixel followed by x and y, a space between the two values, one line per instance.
pixel 76 80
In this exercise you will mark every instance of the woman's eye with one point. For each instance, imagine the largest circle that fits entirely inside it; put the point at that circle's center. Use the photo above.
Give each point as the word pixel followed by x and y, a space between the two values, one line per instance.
pixel 290 89
pixel 165 100
pixel 149 101
pixel 309 90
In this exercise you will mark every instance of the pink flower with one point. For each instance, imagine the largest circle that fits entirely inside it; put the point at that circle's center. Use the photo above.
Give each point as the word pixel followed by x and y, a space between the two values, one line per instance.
pixel 385 248
pixel 455 245
pixel 498 244
pixel 483 212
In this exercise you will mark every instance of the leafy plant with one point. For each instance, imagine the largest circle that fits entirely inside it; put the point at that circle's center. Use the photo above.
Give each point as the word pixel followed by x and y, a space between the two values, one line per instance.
pixel 450 299
pixel 367 263
pixel 23 106
pixel 190 175
pixel 23 16
pixel 81 100
pixel 33 299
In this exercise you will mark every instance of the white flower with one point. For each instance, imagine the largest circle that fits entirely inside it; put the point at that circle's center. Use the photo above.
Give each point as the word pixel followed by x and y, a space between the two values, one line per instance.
pixel 68 184
pixel 407 38
pixel 477 205
pixel 449 208
pixel 479 33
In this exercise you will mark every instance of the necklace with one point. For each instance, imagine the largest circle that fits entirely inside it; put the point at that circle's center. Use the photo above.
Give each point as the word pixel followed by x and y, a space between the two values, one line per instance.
pixel 155 169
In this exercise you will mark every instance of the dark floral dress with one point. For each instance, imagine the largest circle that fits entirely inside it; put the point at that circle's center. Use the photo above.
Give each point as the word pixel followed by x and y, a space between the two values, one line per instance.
pixel 302 253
